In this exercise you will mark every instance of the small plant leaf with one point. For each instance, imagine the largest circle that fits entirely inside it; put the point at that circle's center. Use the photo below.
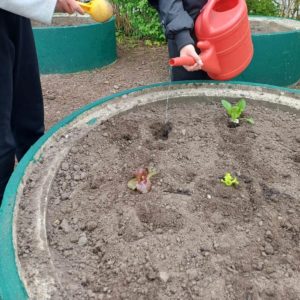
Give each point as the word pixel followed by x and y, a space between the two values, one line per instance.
pixel 228 180
pixel 250 121
pixel 132 183
pixel 241 105
pixel 151 173
pixel 227 106
pixel 235 114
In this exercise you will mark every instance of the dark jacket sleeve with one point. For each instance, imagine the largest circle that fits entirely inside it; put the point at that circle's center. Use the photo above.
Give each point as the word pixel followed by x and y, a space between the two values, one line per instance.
pixel 177 23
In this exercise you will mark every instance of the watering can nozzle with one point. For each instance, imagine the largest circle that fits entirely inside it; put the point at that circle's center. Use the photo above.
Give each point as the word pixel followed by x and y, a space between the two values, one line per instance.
pixel 100 10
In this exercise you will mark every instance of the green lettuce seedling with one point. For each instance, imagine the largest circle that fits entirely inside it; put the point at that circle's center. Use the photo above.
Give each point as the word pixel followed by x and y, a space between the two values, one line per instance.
pixel 234 111
pixel 228 180
pixel 141 182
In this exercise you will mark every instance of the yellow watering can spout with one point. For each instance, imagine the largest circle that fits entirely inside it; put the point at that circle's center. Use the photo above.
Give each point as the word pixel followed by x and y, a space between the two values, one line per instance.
pixel 100 10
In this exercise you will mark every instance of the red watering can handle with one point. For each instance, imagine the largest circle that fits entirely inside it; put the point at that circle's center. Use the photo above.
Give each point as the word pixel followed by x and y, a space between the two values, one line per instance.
pixel 188 60
pixel 208 57
pixel 208 7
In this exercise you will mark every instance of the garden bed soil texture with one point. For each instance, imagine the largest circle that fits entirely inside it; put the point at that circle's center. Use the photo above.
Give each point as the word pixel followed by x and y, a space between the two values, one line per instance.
pixel 190 237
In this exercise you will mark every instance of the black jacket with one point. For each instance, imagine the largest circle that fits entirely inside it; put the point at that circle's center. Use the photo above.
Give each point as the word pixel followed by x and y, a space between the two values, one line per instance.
pixel 177 18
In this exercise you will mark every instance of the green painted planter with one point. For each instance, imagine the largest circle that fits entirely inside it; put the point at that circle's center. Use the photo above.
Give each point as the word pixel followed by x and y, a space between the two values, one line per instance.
pixel 68 49
pixel 51 148
pixel 276 57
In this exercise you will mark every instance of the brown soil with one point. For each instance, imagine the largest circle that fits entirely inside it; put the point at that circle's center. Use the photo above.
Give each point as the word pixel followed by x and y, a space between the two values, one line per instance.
pixel 137 65
pixel 190 237
pixel 269 27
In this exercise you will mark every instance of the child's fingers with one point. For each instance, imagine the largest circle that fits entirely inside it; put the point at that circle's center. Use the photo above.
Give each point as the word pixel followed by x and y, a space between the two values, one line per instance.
pixel 78 9
pixel 67 8
pixel 63 6
pixel 75 7
pixel 198 61
pixel 193 68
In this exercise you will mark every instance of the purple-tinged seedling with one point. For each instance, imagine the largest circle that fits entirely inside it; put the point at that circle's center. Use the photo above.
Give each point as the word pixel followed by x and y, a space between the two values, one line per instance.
pixel 141 182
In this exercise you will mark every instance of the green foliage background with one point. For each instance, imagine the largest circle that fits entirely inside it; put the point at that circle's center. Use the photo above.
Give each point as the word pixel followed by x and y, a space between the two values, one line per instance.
pixel 263 7
pixel 136 19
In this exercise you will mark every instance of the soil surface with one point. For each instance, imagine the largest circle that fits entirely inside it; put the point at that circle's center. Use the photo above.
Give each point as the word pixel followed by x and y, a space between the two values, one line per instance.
pixel 267 27
pixel 191 237
pixel 137 65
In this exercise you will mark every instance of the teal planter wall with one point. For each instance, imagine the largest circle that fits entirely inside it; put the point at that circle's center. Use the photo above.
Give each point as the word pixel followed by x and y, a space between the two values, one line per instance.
pixel 276 59
pixel 71 49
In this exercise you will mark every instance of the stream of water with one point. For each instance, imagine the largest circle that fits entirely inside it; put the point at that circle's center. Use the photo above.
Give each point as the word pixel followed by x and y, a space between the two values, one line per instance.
pixel 167 100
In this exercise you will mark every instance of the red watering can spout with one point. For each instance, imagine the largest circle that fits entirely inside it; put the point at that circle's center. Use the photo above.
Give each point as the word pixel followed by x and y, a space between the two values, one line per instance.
pixel 182 61
pixel 224 38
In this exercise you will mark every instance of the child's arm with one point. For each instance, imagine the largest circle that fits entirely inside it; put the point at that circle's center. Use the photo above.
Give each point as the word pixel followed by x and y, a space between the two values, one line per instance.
pixel 39 10
pixel 177 23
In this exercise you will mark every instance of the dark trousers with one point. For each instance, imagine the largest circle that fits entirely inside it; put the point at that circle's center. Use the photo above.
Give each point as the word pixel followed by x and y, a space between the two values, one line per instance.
pixel 21 102
pixel 180 73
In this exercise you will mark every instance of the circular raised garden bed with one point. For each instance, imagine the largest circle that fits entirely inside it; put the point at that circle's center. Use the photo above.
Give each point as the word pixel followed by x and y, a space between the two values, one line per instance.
pixel 71 228
pixel 276 57
pixel 73 44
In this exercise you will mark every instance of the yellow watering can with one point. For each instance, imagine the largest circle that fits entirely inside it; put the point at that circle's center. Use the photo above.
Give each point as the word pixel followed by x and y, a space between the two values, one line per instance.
pixel 100 10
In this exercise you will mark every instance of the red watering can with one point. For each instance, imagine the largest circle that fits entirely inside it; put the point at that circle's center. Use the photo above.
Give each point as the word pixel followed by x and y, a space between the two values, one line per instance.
pixel 224 38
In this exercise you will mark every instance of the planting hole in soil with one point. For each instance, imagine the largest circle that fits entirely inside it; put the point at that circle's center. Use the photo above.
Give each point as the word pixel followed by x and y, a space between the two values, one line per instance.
pixel 191 236
pixel 161 130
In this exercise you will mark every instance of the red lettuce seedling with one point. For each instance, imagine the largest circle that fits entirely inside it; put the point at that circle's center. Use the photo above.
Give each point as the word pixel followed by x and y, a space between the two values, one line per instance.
pixel 141 182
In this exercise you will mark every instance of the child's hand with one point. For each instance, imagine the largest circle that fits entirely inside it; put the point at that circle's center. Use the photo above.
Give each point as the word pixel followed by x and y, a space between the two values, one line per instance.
pixel 68 6
pixel 189 50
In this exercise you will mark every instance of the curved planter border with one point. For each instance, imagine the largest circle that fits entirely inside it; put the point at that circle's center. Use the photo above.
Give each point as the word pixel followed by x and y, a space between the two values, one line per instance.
pixel 276 57
pixel 68 49
pixel 11 286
